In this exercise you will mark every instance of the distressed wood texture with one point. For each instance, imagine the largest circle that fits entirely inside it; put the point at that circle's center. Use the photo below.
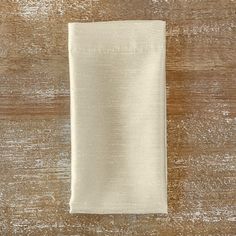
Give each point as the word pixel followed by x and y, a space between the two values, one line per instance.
pixel 35 121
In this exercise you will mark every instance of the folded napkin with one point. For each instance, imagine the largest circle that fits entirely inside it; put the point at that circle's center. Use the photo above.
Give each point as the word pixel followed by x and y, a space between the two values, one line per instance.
pixel 118 117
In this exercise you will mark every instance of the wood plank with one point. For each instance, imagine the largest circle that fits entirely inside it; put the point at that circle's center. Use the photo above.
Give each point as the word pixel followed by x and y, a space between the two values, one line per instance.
pixel 35 121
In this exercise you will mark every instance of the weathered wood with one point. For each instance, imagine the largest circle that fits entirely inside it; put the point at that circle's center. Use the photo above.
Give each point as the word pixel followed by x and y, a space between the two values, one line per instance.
pixel 35 122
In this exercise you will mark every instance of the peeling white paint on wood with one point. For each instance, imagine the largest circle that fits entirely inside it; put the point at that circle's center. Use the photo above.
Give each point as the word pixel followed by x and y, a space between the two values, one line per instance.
pixel 35 122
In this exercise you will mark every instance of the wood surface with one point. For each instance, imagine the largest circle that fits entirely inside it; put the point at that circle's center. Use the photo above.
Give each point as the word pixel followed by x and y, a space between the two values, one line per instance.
pixel 35 119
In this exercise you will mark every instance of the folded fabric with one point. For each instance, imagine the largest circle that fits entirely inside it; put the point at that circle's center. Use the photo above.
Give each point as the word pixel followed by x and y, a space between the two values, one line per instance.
pixel 118 117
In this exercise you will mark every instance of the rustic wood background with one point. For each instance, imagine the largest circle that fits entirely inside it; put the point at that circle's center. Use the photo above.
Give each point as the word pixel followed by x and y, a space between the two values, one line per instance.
pixel 35 121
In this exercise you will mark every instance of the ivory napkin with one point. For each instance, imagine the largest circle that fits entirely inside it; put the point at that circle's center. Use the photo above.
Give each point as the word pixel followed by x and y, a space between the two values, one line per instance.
pixel 118 117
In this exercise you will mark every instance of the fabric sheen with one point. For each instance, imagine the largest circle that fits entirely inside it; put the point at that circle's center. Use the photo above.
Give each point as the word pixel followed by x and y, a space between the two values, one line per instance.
pixel 118 117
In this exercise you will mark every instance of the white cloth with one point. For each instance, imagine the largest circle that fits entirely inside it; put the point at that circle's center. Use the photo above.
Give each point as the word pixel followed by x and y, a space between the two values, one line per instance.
pixel 118 117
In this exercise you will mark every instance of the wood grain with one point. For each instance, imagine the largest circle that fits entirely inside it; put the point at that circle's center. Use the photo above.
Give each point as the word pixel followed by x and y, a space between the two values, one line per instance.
pixel 35 121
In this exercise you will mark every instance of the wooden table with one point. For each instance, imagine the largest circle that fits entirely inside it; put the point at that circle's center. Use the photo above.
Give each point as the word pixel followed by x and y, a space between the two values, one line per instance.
pixel 35 121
